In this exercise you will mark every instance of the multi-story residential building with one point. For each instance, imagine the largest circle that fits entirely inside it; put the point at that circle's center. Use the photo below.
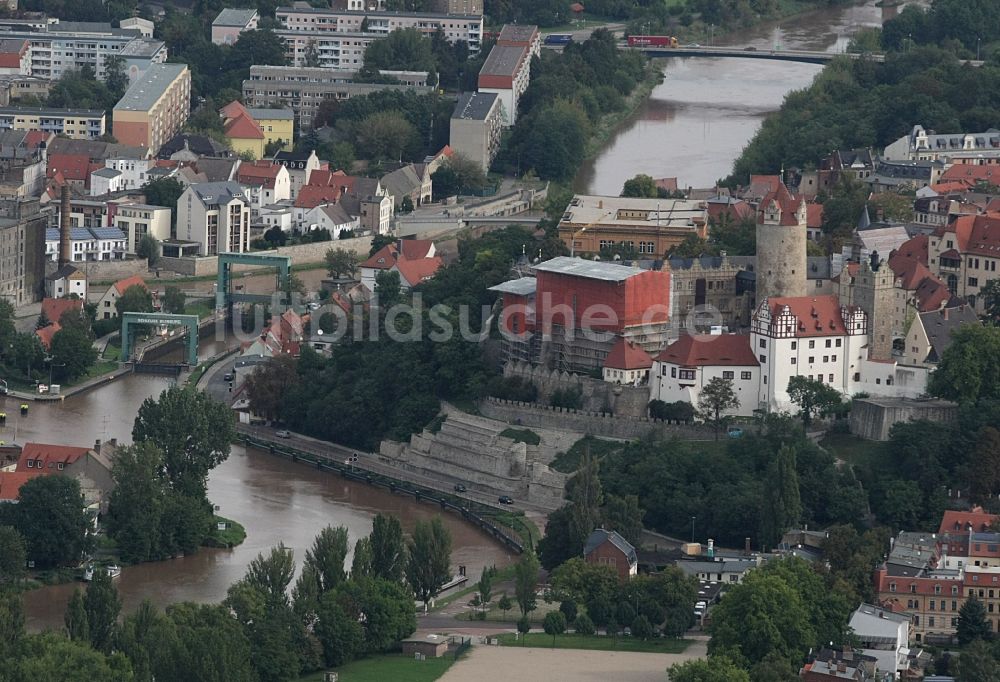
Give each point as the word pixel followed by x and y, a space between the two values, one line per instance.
pixel 896 176
pixel 251 131
pixel 22 250
pixel 77 124
pixel 326 49
pixel 965 254
pixel 277 125
pixel 140 54
pixel 456 27
pixel 476 127
pixel 266 182
pixel 143 27
pixel 138 220
pixel 521 35
pixel 14 88
pixel 923 145
pixel 506 72
pixel 135 172
pixel 88 244
pixel 14 60
pixel 216 215
pixel 231 22
pixel 60 47
pixel 304 88
pixel 650 227
pixel 463 7
pixel 155 106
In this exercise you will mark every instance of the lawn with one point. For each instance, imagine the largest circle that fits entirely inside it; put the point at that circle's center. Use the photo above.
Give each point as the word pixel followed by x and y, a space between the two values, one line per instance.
pixel 596 643
pixel 233 535
pixel 390 667
pixel 853 450
pixel 202 307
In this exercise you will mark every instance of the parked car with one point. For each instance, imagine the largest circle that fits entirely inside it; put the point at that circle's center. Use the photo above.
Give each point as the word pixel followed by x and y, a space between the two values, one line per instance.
pixel 459 488
pixel 228 376
pixel 504 499
pixel 282 433
pixel 750 49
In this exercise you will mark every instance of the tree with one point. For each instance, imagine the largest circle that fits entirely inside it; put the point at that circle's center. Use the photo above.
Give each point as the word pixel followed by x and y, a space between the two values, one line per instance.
pixel 50 656
pixel 429 565
pixel 568 608
pixel 77 320
pixel 783 506
pixel 362 565
pixel 990 294
pixel 164 192
pixel 386 136
pixel 13 556
pixel 583 625
pixel 812 396
pixel 271 575
pixel 27 353
pixel 761 615
pixel 268 386
pixel 76 618
pixel 340 635
pixel 72 354
pixel 174 300
pixel 622 514
pixel 640 186
pixel 641 627
pixel 505 604
pixel 50 517
pixel 717 396
pixel 561 542
pixel 554 624
pixel 388 549
pixel 972 622
pixel 525 580
pixel 136 299
pixel 387 288
pixel 969 366
pixel 401 50
pixel 978 662
pixel 7 328
pixel 385 610
pixel 199 642
pixel 327 556
pixel 149 248
pixel 774 668
pixel 379 242
pixel 715 669
pixel 340 262
pixel 523 626
pixel 194 432
pixel 406 205
pixel 102 606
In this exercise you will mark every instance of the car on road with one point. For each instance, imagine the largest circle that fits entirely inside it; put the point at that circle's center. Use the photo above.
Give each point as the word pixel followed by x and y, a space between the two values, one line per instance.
pixel 228 376
pixel 504 499
pixel 459 488
pixel 750 49
pixel 282 433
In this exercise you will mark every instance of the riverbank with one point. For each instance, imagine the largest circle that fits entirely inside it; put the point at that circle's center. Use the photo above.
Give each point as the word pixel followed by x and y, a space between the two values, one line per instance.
pixel 609 124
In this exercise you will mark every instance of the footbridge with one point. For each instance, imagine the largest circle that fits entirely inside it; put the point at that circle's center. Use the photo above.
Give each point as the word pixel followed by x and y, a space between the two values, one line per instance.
pixel 803 56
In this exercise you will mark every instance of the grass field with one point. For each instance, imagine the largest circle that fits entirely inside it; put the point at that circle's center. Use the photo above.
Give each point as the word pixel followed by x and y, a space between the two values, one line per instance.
pixel 389 667
pixel 596 643
pixel 234 535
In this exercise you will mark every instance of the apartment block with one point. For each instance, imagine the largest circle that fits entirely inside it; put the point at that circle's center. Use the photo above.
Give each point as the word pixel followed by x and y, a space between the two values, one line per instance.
pixel 155 106
pixel 476 127
pixel 216 215
pixel 76 124
pixel 231 22
pixel 137 220
pixel 467 27
pixel 506 72
pixel 331 50
pixel 465 7
pixel 304 88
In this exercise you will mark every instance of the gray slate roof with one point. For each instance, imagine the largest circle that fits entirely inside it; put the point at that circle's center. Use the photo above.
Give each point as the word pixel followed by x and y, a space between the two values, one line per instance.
pixel 474 106
pixel 148 88
pixel 213 193
pixel 578 267
pixel 234 16
pixel 598 538
pixel 524 286
pixel 939 327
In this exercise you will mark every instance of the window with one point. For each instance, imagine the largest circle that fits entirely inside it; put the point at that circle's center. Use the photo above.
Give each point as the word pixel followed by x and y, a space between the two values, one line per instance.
pixel 828 342
pixel 763 343
pixel 673 372
pixel 794 344
pixel 793 361
pixel 833 358
pixel 826 358
pixel 913 588
pixel 954 606
pixel 812 344
pixel 762 358
pixel 745 376
pixel 812 359
pixel 728 375
pixel 31 464
pixel 930 621
pixel 973 281
pixel 930 605
pixel 687 374
pixel 830 380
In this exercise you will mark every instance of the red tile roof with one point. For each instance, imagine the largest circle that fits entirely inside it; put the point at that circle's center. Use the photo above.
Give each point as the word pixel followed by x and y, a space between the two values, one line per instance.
pixel 416 248
pixel 311 197
pixel 959 521
pixel 914 248
pixel 11 482
pixel 713 350
pixel 416 271
pixel 942 188
pixel 814 215
pixel 46 458
pixel 122 285
pixel 262 173
pixel 816 316
pixel 71 166
pixel 626 355
pixel 932 294
pixel 910 272
pixel 46 333
pixel 54 308
pixel 234 109
pixel 972 173
pixel 324 177
pixel 35 138
pixel 12 59
pixel 383 259
pixel 668 184
pixel 770 183
pixel 243 128
pixel 984 235
pixel 787 202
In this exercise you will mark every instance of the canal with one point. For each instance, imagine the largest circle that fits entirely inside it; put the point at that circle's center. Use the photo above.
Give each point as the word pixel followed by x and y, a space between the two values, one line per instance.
pixel 276 500
pixel 697 121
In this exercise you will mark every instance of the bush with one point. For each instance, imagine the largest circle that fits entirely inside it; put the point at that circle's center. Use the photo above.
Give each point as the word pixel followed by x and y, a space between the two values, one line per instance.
pixel 568 609
pixel 524 625
pixel 642 628
pixel 104 327
pixel 583 625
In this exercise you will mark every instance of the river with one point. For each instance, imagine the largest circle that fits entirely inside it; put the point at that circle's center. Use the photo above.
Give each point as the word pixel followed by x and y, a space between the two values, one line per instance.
pixel 697 121
pixel 276 500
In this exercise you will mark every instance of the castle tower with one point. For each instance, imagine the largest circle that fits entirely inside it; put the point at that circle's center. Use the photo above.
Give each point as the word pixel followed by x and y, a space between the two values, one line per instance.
pixel 781 245
pixel 875 293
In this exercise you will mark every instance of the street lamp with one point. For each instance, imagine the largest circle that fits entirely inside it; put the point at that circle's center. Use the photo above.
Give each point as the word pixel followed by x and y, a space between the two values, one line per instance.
pixel 978 40
pixel 572 241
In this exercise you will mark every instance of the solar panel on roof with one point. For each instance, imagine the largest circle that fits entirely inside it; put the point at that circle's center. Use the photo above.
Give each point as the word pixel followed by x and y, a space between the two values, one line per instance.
pixel 107 233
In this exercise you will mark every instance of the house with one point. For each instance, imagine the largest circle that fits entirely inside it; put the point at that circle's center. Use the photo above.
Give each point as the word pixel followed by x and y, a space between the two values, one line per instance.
pixel 250 131
pixel 216 215
pixel 963 253
pixel 53 309
pixel 300 166
pixel 73 169
pixel 476 127
pixel 267 182
pixel 137 220
pixel 627 363
pixel 66 281
pixel 923 145
pixel 155 106
pixel 412 181
pixel 191 147
pixel 88 243
pixel 930 334
pixel 282 336
pixel 231 22
pixel 91 467
pixel 105 181
pixel 506 72
pixel 46 333
pixel 838 666
pixel 106 305
pixel 684 367
pixel 884 635
pixel 609 548
pixel 331 217
pixel 277 125
pixel 11 482
pixel 719 571
pixel 413 259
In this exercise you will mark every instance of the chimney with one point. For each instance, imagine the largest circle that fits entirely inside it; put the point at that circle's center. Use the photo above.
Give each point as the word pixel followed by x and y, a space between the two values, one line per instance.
pixel 65 246
pixel 944 313
pixel 113 443
pixel 746 546
pixel 711 548
pixel 97 445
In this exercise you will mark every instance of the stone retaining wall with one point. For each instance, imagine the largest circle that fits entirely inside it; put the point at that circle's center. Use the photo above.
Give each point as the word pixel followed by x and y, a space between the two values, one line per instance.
pixel 598 395
pixel 590 423
pixel 113 270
